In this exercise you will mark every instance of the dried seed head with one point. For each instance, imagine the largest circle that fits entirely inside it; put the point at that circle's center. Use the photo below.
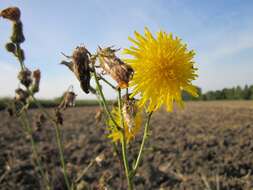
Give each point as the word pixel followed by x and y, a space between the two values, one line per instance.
pixel 81 61
pixel 17 33
pixel 115 67
pixel 24 77
pixel 10 47
pixel 58 116
pixel 129 110
pixel 35 81
pixel 68 100
pixel 11 13
pixel 21 95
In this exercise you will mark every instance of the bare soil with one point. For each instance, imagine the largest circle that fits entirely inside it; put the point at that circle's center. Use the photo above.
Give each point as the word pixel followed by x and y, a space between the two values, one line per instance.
pixel 206 144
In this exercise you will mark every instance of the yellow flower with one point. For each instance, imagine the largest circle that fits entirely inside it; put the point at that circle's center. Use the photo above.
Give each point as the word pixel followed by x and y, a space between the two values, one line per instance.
pixel 163 67
pixel 130 131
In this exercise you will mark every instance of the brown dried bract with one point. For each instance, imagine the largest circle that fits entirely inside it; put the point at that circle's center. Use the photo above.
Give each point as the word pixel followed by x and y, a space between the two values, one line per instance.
pixel 115 67
pixel 11 13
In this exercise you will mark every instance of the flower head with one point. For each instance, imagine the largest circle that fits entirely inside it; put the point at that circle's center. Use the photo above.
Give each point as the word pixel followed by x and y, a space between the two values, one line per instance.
pixel 163 67
pixel 131 127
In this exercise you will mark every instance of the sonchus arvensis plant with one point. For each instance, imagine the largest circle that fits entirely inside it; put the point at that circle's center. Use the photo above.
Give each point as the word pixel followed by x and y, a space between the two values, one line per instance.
pixel 156 72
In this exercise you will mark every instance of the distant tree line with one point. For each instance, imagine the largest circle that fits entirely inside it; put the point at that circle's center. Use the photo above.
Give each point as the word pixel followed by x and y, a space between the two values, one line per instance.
pixel 235 93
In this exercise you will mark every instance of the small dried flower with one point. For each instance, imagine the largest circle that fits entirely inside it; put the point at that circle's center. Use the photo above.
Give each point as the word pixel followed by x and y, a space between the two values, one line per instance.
pixel 25 77
pixel 11 13
pixel 59 118
pixel 10 47
pixel 68 100
pixel 35 81
pixel 115 67
pixel 99 159
pixel 17 33
pixel 21 95
pixel 129 110
pixel 132 123
pixel 80 66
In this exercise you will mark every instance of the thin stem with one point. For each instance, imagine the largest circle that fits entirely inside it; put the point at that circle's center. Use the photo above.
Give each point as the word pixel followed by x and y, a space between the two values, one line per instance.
pixel 60 147
pixel 123 145
pixel 28 129
pixel 107 82
pixel 146 130
pixel 103 99
pixel 58 140
pixel 18 55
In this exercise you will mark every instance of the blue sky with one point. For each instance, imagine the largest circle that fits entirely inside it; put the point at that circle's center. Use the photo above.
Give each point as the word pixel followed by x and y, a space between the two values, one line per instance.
pixel 221 33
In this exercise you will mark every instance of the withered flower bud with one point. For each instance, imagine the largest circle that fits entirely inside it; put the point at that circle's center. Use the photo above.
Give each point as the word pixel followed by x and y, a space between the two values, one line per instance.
pixel 35 81
pixel 58 116
pixel 25 77
pixel 80 66
pixel 21 95
pixel 11 13
pixel 10 47
pixel 17 33
pixel 68 100
pixel 129 110
pixel 98 116
pixel 10 111
pixel 115 67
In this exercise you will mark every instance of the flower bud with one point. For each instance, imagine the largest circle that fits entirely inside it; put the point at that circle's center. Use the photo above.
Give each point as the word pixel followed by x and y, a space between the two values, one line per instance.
pixel 21 95
pixel 11 13
pixel 59 118
pixel 25 77
pixel 17 33
pixel 36 81
pixel 10 47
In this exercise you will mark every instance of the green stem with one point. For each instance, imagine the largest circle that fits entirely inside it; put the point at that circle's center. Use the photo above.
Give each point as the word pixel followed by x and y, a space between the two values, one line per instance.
pixel 103 99
pixel 145 135
pixel 123 145
pixel 38 162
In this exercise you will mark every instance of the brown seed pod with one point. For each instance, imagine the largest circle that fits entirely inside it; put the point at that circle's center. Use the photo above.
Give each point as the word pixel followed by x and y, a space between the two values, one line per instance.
pixel 80 66
pixel 115 67
pixel 24 77
pixel 68 100
pixel 17 33
pixel 11 13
